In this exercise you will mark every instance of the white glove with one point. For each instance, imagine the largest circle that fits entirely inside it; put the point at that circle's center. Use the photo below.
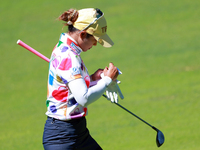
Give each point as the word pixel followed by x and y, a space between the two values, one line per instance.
pixel 113 91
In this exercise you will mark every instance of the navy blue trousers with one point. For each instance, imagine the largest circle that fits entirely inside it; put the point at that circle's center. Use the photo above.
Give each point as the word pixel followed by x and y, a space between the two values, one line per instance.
pixel 68 135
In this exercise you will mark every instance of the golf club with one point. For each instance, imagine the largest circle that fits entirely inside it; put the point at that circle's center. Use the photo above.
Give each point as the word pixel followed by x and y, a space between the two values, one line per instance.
pixel 19 42
pixel 159 137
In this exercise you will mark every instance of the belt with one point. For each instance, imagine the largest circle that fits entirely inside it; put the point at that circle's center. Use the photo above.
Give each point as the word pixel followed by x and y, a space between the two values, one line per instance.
pixel 69 121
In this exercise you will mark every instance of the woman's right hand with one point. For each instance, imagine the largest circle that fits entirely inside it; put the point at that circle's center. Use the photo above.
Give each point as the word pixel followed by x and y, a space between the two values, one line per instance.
pixel 111 72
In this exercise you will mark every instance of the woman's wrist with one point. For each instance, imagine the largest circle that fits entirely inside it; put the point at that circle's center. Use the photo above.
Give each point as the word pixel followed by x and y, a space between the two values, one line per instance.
pixel 106 79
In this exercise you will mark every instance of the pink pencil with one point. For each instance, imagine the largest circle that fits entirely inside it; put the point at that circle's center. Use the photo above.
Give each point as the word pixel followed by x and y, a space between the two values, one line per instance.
pixel 19 42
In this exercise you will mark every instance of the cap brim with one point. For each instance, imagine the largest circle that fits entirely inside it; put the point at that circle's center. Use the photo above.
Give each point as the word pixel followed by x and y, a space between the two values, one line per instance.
pixel 104 40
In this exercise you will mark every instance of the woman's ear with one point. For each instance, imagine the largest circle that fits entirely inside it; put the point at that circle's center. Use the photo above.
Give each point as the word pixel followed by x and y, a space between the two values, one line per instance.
pixel 83 35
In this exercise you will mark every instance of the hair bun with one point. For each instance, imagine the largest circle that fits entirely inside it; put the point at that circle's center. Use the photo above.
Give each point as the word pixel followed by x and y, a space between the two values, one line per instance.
pixel 69 16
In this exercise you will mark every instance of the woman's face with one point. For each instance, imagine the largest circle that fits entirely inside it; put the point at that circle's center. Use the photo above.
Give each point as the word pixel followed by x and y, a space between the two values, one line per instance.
pixel 86 42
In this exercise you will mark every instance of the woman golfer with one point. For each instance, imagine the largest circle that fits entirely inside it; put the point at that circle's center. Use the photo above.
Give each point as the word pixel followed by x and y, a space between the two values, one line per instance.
pixel 69 90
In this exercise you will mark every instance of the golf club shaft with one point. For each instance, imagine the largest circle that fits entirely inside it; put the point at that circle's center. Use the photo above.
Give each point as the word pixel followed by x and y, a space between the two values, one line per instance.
pixel 133 114
pixel 19 42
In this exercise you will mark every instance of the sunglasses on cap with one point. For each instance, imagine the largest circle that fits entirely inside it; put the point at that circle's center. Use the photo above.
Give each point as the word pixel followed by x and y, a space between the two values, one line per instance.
pixel 98 16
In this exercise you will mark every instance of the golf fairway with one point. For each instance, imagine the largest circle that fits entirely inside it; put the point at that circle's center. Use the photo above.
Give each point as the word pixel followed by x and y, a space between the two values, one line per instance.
pixel 156 47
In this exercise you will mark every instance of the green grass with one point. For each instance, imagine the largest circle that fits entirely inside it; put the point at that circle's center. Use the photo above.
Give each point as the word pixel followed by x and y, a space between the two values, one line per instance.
pixel 156 48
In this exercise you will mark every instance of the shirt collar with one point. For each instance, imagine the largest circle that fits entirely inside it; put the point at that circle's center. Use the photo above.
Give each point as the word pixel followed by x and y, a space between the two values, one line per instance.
pixel 65 38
